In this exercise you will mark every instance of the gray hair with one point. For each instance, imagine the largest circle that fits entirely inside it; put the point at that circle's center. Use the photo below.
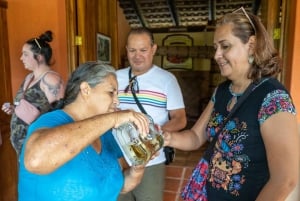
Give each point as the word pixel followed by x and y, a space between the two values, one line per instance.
pixel 91 72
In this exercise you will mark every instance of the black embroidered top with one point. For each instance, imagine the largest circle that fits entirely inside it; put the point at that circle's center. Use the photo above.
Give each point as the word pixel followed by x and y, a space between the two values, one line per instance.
pixel 238 166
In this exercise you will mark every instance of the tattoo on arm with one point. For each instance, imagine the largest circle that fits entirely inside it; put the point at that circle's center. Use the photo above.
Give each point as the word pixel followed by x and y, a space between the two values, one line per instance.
pixel 53 88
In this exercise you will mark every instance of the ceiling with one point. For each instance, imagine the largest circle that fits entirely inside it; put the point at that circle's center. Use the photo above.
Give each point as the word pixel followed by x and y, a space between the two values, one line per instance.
pixel 181 15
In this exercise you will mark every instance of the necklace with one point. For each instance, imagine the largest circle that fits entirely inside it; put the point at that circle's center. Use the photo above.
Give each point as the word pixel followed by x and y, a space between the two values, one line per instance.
pixel 234 98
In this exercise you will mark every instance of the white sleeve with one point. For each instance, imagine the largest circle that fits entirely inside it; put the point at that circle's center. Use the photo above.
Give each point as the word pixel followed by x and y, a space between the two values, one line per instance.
pixel 174 94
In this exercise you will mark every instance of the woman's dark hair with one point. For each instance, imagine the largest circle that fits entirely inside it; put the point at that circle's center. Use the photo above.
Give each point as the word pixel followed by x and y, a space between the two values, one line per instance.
pixel 40 46
pixel 267 62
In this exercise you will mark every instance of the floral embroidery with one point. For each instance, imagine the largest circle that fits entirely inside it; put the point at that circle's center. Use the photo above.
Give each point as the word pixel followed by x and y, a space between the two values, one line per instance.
pixel 228 160
pixel 276 101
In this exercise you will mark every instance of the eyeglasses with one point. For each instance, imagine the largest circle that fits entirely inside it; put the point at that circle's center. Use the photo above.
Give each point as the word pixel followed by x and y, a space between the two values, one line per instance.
pixel 247 16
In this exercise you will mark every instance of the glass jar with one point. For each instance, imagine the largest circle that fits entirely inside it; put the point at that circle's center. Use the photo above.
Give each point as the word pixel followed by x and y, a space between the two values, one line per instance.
pixel 137 149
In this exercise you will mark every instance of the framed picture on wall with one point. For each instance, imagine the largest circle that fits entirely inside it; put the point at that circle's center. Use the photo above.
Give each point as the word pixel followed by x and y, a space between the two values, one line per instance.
pixel 177 58
pixel 103 48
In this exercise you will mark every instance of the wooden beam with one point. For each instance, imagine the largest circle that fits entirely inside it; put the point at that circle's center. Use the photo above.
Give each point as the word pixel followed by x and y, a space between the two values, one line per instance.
pixel 3 4
pixel 136 7
pixel 174 15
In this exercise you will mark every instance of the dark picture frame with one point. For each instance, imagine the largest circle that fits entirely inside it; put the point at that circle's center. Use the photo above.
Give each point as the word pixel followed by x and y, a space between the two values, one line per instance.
pixel 103 48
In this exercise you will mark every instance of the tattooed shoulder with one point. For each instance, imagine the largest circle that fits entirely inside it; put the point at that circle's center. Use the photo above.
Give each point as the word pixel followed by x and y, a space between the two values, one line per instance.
pixel 53 83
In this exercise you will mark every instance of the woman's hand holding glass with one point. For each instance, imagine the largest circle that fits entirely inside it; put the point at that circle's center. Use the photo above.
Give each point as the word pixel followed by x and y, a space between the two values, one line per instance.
pixel 138 119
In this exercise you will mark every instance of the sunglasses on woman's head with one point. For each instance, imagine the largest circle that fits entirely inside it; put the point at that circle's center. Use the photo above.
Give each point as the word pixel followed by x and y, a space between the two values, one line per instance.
pixel 241 9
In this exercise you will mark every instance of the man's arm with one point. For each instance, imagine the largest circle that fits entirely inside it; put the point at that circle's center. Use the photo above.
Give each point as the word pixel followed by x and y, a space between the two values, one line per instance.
pixel 177 120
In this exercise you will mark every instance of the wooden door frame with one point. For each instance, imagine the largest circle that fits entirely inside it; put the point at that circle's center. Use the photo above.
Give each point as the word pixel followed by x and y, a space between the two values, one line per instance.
pixel 8 165
pixel 287 41
pixel 6 62
pixel 72 48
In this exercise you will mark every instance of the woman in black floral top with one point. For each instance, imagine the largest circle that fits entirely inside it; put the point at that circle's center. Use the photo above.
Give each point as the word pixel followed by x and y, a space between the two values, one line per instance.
pixel 256 154
pixel 41 88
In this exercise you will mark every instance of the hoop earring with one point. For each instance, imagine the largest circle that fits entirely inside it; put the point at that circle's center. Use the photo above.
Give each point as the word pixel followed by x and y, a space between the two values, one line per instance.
pixel 251 59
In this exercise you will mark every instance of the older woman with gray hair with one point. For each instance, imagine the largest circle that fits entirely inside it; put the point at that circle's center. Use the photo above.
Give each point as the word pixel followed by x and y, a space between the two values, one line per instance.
pixel 70 153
